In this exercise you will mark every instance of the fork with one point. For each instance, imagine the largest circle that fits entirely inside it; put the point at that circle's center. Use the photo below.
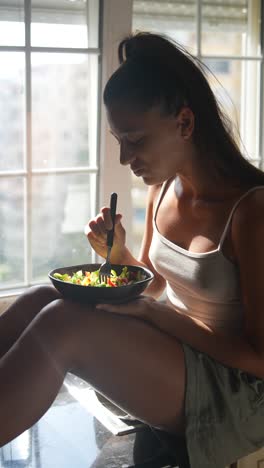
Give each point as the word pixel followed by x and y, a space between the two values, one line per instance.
pixel 105 268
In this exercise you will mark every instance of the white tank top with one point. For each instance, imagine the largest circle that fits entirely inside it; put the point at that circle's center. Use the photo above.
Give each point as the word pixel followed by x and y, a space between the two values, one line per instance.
pixel 201 285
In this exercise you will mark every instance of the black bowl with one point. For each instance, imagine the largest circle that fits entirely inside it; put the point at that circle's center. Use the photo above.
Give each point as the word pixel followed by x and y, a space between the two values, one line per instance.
pixel 93 294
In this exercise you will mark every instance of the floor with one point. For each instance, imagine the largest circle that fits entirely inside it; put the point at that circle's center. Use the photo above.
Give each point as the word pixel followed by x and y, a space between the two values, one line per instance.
pixel 80 431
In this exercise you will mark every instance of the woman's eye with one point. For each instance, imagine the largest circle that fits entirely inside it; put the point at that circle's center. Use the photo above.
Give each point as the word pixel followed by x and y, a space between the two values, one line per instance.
pixel 135 142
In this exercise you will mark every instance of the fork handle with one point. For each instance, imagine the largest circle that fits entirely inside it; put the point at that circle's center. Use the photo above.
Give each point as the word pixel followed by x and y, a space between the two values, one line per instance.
pixel 110 234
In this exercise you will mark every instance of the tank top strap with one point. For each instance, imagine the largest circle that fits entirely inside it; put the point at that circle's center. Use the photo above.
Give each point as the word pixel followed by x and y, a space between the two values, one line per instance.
pixel 162 191
pixel 232 212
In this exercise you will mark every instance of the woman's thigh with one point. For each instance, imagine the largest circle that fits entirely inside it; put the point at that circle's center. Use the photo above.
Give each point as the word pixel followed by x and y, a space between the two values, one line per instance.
pixel 22 311
pixel 132 363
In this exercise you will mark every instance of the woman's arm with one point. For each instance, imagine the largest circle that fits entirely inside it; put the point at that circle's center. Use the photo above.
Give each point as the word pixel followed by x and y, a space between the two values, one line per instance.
pixel 232 351
pixel 245 352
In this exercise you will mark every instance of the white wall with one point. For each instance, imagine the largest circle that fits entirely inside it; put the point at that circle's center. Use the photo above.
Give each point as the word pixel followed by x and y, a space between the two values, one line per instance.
pixel 117 17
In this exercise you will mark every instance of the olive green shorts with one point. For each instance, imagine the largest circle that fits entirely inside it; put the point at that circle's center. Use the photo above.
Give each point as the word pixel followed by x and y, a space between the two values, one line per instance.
pixel 224 410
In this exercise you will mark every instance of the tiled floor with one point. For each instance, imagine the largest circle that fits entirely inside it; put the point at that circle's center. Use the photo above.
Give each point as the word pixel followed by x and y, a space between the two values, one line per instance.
pixel 70 436
pixel 65 437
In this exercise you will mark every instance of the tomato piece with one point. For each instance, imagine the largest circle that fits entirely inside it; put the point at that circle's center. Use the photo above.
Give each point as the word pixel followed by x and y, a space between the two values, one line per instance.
pixel 113 285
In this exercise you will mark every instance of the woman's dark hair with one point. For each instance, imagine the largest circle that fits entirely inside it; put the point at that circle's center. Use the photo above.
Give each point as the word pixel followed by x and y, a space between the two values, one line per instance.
pixel 154 70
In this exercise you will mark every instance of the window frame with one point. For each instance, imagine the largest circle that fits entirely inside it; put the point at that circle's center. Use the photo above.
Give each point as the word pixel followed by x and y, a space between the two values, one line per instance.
pixel 28 172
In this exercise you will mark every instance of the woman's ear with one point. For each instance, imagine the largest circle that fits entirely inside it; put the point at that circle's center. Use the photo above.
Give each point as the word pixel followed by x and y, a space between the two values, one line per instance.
pixel 185 120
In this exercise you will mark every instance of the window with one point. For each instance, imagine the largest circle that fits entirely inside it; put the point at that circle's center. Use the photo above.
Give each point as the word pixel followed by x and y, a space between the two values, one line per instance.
pixel 227 37
pixel 49 79
pixel 48 161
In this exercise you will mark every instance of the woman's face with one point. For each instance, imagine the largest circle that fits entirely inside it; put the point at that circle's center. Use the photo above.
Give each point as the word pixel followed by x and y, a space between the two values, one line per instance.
pixel 151 143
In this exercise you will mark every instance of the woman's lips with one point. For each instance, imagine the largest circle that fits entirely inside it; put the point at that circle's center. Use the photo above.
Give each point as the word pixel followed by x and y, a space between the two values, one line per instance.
pixel 137 170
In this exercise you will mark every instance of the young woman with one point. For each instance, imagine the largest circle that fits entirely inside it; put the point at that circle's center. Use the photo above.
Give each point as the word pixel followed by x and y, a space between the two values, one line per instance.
pixel 195 365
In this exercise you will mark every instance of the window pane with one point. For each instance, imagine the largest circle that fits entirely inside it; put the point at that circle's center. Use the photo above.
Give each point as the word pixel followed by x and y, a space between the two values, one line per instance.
pixel 64 23
pixel 229 29
pixel 173 18
pixel 11 231
pixel 229 85
pixel 62 205
pixel 64 110
pixel 226 84
pixel 12 28
pixel 233 84
pixel 12 110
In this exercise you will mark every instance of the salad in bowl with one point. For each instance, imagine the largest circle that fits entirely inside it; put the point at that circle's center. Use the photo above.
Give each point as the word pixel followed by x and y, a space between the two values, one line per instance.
pixel 82 283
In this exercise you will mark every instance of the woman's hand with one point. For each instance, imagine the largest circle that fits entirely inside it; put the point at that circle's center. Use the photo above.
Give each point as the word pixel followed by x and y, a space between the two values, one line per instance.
pixel 141 307
pixel 96 232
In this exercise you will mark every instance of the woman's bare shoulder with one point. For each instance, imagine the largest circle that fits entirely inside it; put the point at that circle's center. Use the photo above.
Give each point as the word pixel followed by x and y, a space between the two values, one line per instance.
pixel 248 221
pixel 251 207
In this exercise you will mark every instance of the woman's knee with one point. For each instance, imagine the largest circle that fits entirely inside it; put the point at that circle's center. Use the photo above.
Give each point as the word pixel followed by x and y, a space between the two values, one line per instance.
pixel 63 319
pixel 42 293
pixel 51 329
pixel 71 324
pixel 53 314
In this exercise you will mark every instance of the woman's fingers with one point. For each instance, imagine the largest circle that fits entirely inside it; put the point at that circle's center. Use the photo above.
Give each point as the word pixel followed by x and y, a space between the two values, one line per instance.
pixel 97 226
pixel 95 239
pixel 136 307
pixel 102 223
pixel 107 218
pixel 96 231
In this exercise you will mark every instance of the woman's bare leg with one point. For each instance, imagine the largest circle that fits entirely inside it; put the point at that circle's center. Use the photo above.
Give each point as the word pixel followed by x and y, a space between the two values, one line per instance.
pixel 23 310
pixel 133 364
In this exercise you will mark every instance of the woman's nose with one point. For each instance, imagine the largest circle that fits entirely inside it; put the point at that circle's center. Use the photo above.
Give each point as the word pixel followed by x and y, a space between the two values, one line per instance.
pixel 126 155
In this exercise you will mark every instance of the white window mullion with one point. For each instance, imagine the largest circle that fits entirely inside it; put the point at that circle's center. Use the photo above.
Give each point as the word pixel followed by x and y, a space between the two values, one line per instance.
pixel 52 50
pixel 250 109
pixel 28 150
pixel 66 170
pixel 199 28
pixel 261 92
